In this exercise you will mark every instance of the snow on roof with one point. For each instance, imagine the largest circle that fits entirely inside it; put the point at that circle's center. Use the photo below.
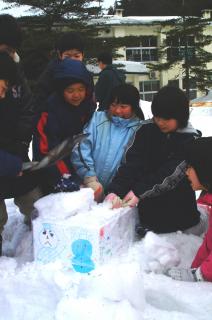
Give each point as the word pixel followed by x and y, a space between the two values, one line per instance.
pixel 127 66
pixel 116 20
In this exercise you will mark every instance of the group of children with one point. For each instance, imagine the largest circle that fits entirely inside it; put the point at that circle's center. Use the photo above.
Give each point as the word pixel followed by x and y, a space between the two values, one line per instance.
pixel 129 160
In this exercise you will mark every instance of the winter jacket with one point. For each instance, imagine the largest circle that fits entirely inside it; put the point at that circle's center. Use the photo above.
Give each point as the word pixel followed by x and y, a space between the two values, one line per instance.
pixel 109 78
pixel 61 120
pixel 155 172
pixel 46 86
pixel 101 152
pixel 203 257
pixel 18 98
pixel 10 163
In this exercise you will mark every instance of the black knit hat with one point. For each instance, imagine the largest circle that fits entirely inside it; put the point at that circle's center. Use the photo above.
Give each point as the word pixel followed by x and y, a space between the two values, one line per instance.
pixel 8 69
pixel 10 31
pixel 127 94
pixel 199 155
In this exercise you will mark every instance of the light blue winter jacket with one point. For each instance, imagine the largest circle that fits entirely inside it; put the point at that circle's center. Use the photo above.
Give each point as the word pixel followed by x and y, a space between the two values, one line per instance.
pixel 102 151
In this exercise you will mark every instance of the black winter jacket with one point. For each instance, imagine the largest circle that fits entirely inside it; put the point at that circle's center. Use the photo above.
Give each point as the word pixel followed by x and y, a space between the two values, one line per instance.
pixel 155 172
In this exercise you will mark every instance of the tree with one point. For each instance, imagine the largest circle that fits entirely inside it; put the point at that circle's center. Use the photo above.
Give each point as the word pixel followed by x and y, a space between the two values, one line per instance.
pixel 185 44
pixel 163 7
pixel 51 19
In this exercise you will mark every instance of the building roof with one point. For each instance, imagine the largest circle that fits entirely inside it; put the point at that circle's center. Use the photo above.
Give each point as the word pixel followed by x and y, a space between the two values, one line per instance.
pixel 133 67
pixel 205 101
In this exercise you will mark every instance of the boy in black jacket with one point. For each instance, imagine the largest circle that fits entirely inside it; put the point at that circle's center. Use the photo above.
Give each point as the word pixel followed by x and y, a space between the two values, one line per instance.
pixel 154 173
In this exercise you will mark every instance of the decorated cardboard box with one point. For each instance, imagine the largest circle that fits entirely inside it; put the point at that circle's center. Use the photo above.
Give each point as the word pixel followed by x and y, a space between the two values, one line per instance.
pixel 86 239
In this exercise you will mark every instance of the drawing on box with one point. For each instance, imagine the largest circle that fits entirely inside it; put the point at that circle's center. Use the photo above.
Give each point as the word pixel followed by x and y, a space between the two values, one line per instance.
pixel 82 252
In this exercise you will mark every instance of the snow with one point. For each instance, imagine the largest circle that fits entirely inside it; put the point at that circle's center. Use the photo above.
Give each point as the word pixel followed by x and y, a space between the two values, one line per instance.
pixel 128 66
pixel 130 287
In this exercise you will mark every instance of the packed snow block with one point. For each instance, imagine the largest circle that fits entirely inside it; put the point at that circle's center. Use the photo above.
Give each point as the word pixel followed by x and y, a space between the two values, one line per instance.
pixel 83 238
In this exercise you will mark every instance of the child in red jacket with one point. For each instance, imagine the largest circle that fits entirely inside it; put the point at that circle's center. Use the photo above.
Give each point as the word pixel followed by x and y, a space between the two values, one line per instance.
pixel 199 173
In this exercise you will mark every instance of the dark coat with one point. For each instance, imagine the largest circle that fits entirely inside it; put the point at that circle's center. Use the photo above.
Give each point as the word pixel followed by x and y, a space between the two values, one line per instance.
pixel 10 184
pixel 155 172
pixel 109 78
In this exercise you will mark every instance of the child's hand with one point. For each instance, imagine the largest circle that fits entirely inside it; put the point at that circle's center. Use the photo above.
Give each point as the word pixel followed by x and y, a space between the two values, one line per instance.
pixel 93 183
pixel 115 200
pixel 130 200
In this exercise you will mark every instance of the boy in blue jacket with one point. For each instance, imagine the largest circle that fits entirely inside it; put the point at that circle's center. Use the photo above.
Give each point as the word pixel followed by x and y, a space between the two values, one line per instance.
pixel 68 109
pixel 12 184
pixel 111 132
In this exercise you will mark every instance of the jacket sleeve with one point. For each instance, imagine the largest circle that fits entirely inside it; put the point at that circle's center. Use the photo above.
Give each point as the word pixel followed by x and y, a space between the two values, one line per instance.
pixel 82 154
pixel 10 165
pixel 28 110
pixel 48 138
pixel 136 175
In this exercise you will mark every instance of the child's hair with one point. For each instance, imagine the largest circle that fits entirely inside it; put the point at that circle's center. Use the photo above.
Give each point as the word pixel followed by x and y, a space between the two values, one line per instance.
pixel 127 94
pixel 68 41
pixel 8 69
pixel 105 57
pixel 198 154
pixel 10 31
pixel 171 103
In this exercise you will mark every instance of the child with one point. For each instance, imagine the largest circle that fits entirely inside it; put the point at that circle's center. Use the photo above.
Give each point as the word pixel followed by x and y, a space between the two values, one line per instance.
pixel 12 184
pixel 70 45
pixel 67 111
pixel 110 133
pixel 154 173
pixel 199 158
pixel 20 93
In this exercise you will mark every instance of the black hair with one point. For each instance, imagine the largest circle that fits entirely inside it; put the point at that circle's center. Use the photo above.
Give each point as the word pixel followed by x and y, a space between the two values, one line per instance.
pixel 10 31
pixel 63 83
pixel 198 154
pixel 8 68
pixel 68 41
pixel 171 103
pixel 127 94
pixel 105 57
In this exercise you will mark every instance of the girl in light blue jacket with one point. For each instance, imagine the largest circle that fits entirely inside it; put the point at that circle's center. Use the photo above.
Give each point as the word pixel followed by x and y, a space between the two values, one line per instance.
pixel 110 133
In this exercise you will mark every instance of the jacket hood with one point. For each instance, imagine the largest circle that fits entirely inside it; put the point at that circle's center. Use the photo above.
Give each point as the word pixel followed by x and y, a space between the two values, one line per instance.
pixel 189 129
pixel 71 69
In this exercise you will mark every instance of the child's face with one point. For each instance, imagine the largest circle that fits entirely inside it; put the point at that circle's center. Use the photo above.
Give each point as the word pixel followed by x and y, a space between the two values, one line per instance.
pixel 193 179
pixel 71 54
pixel 3 88
pixel 121 110
pixel 75 94
pixel 166 125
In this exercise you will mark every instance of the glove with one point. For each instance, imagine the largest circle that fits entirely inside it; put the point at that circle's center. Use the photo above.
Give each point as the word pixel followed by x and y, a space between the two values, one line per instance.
pixel 130 200
pixel 66 184
pixel 114 199
pixel 185 274
pixel 93 183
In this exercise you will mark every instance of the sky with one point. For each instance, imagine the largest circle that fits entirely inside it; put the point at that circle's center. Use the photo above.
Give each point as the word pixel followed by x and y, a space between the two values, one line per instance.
pixel 127 285
pixel 23 10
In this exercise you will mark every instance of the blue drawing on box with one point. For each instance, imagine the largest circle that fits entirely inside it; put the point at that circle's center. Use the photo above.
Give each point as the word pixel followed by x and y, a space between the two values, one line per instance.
pixel 82 251
pixel 49 244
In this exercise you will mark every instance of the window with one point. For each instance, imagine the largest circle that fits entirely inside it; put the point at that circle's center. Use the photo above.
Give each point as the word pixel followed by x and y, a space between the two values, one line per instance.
pixel 192 88
pixel 177 46
pixel 147 51
pixel 148 89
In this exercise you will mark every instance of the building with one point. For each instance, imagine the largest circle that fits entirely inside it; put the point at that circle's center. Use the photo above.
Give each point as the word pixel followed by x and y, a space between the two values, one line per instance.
pixel 152 31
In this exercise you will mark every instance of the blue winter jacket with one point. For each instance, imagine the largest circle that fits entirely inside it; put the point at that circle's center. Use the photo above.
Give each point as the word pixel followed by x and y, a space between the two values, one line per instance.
pixel 101 153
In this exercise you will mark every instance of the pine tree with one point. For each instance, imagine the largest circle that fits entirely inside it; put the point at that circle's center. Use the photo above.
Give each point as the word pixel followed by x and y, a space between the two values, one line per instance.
pixel 185 44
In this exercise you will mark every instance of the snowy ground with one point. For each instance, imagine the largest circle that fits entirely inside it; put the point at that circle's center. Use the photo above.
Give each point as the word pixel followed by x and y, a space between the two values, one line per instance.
pixel 134 289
